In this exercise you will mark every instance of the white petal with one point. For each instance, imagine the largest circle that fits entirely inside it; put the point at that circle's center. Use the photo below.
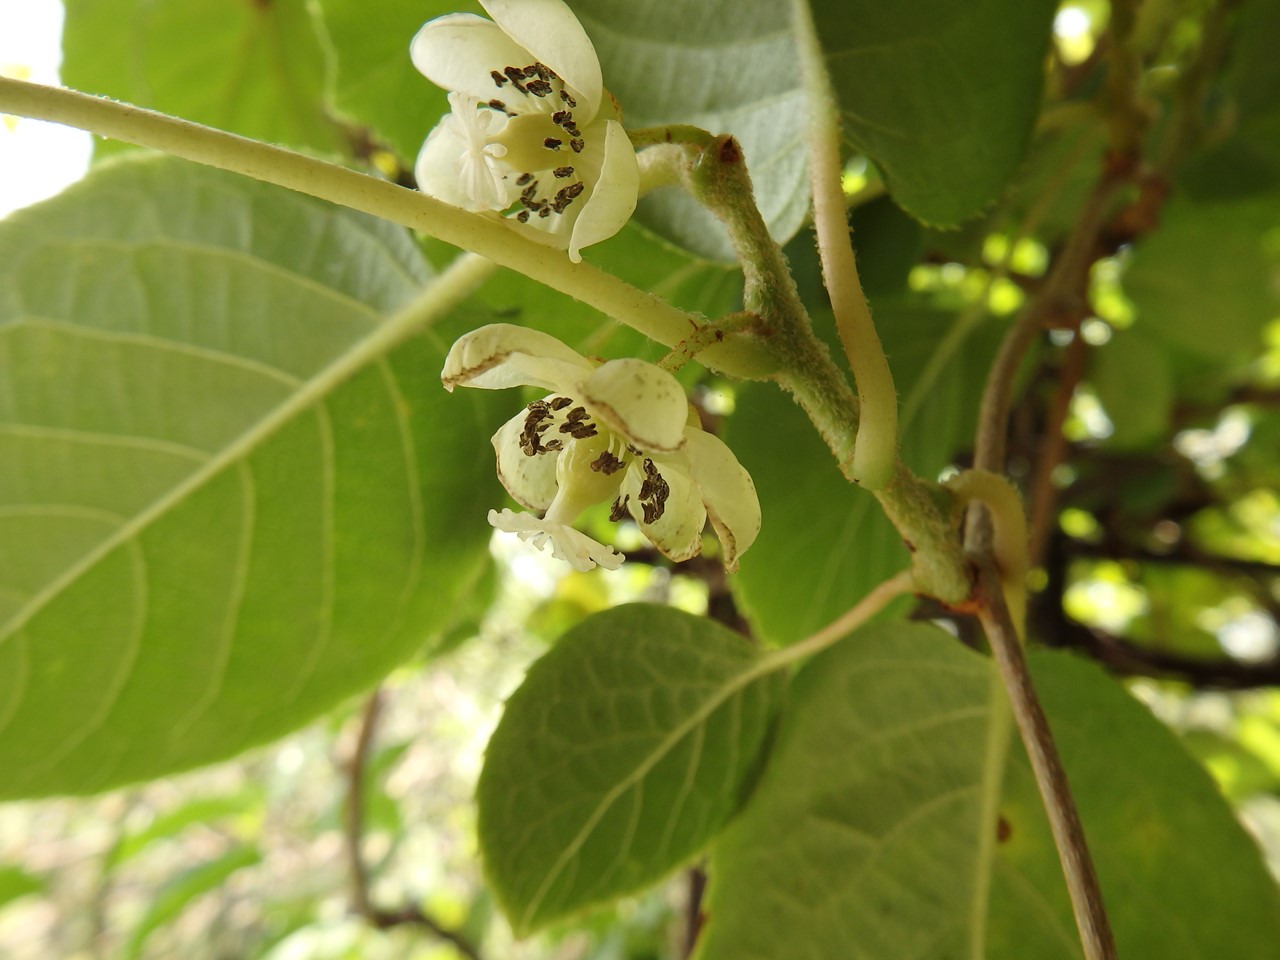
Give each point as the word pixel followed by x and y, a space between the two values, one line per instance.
pixel 613 197
pixel 531 481
pixel 566 543
pixel 677 533
pixel 639 401
pixel 502 355
pixel 728 492
pixel 458 52
pixel 549 30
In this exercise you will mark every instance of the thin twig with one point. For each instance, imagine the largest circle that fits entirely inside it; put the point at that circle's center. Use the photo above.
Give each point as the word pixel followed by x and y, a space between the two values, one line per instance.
pixel 1051 778
pixel 353 831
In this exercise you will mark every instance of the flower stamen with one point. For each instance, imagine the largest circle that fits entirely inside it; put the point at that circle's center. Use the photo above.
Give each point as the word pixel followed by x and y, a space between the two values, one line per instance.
pixel 654 491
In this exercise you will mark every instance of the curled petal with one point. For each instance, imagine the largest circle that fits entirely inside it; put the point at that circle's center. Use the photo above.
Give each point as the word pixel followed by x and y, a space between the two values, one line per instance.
pixel 458 51
pixel 549 30
pixel 502 355
pixel 677 531
pixel 728 492
pixel 566 543
pixel 614 194
pixel 639 401
pixel 531 480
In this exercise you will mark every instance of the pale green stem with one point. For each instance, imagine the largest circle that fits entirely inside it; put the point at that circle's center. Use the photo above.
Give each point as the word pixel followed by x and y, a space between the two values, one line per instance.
pixel 875 448
pixel 488 236
pixel 876 600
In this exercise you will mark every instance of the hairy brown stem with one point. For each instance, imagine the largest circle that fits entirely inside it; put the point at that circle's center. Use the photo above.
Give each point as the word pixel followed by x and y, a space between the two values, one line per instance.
pixel 1051 778
pixel 353 832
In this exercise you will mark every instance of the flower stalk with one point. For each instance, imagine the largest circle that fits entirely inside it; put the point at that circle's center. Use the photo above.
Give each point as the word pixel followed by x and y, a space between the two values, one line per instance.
pixel 876 445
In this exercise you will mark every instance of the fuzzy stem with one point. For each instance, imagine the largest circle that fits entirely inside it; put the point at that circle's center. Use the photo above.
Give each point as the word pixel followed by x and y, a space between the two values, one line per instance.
pixel 875 449
pixel 488 236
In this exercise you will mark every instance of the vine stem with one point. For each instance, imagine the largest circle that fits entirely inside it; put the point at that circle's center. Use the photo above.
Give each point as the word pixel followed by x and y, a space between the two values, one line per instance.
pixel 488 236
pixel 1051 779
pixel 353 832
pixel 876 445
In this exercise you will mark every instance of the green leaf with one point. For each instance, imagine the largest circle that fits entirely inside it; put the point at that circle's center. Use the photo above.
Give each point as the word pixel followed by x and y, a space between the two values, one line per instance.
pixel 16 883
pixel 174 897
pixel 823 542
pixel 1180 876
pixel 1206 281
pixel 1134 381
pixel 942 96
pixel 627 747
pixel 217 518
pixel 866 834
pixel 726 66
pixel 254 68
pixel 374 82
pixel 880 826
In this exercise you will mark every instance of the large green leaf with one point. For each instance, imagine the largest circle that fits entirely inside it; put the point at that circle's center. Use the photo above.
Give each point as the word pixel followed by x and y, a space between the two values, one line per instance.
pixel 1181 878
pixel 255 68
pixel 1207 281
pixel 216 520
pixel 941 95
pixel 865 837
pixel 624 751
pixel 892 820
pixel 726 66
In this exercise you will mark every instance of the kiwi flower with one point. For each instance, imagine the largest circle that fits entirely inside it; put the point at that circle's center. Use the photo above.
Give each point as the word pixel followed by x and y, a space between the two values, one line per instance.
pixel 618 432
pixel 531 135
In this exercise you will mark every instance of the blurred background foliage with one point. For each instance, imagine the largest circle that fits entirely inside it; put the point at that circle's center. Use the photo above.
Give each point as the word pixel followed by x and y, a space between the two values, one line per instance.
pixel 1146 437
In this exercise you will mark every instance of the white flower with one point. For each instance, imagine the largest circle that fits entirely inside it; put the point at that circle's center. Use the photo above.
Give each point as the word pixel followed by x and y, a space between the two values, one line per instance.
pixel 532 133
pixel 620 432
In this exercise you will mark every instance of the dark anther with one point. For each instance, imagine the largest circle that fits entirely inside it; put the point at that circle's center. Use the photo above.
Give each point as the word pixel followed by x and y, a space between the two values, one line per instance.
pixel 653 492
pixel 542 70
pixel 560 116
pixel 539 88
pixel 566 196
pixel 531 435
pixel 577 145
pixel 607 464
pixel 498 78
pixel 551 143
pixel 544 211
pixel 497 104
pixel 559 403
pixel 562 172
pixel 571 129
pixel 564 95
pixel 528 192
pixel 524 178
pixel 515 75
pixel 619 509
pixel 523 216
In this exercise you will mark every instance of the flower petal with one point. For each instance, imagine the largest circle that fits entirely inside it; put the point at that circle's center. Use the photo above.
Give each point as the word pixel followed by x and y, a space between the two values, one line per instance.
pixel 531 481
pixel 566 543
pixel 728 492
pixel 614 194
pixel 677 533
pixel 549 30
pixel 458 51
pixel 501 355
pixel 641 402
